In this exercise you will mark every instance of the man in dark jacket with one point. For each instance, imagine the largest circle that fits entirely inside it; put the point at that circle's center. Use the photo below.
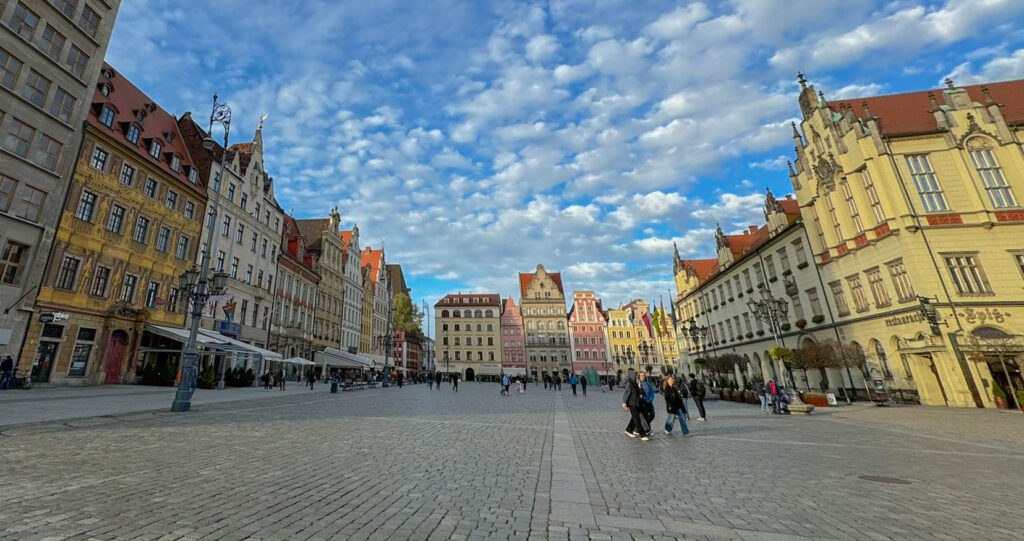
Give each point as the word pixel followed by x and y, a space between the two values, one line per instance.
pixel 631 400
pixel 437 380
pixel 674 406
pixel 6 371
pixel 697 391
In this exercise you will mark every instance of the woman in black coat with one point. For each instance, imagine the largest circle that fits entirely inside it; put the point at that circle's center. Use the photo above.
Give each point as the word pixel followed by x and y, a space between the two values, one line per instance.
pixel 674 406
pixel 638 425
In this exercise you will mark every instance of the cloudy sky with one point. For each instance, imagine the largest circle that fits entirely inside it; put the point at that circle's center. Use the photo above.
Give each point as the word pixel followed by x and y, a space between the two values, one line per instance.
pixel 478 138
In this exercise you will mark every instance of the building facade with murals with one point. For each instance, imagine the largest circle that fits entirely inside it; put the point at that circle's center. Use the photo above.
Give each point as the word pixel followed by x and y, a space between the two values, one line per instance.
pixel 913 206
pixel 130 228
pixel 50 60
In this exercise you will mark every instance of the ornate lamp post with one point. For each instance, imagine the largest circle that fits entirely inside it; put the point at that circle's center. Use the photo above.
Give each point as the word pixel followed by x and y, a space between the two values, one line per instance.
pixel 772 310
pixel 196 284
pixel 698 335
pixel 384 342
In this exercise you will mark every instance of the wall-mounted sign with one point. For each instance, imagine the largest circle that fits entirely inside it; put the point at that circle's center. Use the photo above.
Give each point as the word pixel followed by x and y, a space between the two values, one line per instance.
pixel 896 321
pixel 50 317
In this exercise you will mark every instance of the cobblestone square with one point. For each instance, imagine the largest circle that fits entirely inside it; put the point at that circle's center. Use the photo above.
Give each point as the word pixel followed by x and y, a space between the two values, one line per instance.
pixel 416 463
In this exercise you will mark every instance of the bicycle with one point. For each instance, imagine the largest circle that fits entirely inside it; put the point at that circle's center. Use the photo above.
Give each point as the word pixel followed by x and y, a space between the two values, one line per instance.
pixel 21 382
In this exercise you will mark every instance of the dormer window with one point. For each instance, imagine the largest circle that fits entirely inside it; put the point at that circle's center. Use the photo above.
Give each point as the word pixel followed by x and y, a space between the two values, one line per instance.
pixel 139 115
pixel 169 137
pixel 107 116
pixel 175 162
pixel 154 149
pixel 133 134
pixel 105 89
pixel 192 175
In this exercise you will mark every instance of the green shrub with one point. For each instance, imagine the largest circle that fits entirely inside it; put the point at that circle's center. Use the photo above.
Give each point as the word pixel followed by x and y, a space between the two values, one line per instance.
pixel 997 391
pixel 207 377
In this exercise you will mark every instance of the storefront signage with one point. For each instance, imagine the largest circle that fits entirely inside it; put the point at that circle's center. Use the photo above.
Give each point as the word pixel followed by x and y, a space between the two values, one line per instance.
pixel 973 316
pixel 896 321
pixel 50 317
pixel 229 328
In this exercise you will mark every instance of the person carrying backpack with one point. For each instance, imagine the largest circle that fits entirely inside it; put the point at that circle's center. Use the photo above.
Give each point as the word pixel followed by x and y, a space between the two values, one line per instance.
pixel 697 391
pixel 647 397
pixel 772 390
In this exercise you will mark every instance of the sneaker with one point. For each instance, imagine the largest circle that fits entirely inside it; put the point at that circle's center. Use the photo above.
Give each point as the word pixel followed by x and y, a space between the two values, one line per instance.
pixel 701 419
pixel 645 438
pixel 667 432
pixel 630 434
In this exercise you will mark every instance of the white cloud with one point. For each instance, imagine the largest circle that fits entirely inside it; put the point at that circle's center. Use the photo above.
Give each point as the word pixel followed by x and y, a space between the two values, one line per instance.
pixel 997 69
pixel 777 163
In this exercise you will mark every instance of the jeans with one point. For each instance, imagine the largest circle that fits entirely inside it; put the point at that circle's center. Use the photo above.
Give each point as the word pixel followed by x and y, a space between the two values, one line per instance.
pixel 686 410
pixel 764 402
pixel 671 422
pixel 5 379
pixel 775 403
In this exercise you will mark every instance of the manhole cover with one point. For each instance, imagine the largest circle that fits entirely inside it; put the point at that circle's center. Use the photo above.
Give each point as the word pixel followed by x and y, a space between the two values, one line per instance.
pixel 880 479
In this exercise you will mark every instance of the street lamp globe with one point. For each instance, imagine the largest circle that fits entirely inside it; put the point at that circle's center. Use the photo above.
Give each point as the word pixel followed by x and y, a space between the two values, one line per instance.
pixel 752 306
pixel 209 143
pixel 219 280
pixel 188 278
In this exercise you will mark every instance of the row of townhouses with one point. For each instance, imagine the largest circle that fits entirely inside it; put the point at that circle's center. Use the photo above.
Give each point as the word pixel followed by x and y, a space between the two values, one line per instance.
pixel 103 195
pixel 480 336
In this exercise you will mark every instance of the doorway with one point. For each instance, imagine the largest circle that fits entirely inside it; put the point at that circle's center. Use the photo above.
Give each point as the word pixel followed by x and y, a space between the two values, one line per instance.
pixel 116 345
pixel 470 374
pixel 42 366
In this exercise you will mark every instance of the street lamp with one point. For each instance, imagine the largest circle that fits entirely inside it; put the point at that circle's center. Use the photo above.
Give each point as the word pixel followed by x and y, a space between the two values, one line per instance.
pixel 384 342
pixel 196 284
pixel 772 311
pixel 698 335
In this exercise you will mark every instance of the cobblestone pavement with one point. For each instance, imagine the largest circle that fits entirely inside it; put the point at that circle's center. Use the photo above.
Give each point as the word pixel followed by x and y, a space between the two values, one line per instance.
pixel 414 463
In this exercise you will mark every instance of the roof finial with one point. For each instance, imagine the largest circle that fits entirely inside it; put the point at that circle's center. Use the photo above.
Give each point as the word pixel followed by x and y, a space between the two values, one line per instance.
pixel 262 118
pixel 801 79
pixel 988 97
pixel 821 97
pixel 792 173
pixel 935 104
pixel 796 132
pixel 949 82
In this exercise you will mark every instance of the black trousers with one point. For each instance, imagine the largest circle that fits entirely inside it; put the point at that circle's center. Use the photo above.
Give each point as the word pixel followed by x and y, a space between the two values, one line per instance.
pixel 574 389
pixel 700 406
pixel 637 423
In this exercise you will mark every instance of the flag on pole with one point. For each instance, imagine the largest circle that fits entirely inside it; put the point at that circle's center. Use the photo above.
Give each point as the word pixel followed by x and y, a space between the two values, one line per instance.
pixel 647 321
pixel 657 321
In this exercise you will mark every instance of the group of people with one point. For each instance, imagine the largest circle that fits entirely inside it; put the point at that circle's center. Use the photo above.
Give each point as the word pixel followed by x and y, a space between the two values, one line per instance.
pixel 774 399
pixel 435 380
pixel 277 378
pixel 506 383
pixel 639 398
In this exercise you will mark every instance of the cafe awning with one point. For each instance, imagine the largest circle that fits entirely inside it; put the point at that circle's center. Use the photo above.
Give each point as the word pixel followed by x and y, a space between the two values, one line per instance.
pixel 212 342
pixel 298 360
pixel 242 347
pixel 336 357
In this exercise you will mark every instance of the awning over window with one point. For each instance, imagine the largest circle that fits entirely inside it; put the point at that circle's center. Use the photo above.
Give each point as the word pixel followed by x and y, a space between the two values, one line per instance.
pixel 242 347
pixel 340 358
pixel 213 342
pixel 299 361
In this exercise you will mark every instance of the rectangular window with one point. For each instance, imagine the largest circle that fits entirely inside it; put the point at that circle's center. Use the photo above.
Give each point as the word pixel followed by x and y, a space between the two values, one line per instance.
pixel 857 290
pixel 141 232
pixel 901 281
pixel 32 202
pixel 99 159
pixel 150 189
pixel 877 287
pixel 86 206
pixel 24 21
pixel 814 301
pixel 67 7
pixel 231 192
pixel 263 248
pixel 234 267
pixel 100 281
pixel 851 206
pixel 801 255
pixel 746 278
pixel 1019 258
pixel 154 148
pixel 47 152
pixel 818 229
pixel 68 273
pixel 225 226
pixel 220 261
pixel 133 134
pixel 798 307
pixel 255 238
pixel 35 89
pixel 926 183
pixel 152 292
pixel 190 209
pixel 175 163
pixel 76 62
pixel 784 260
pixel 967 274
pixel 10 67
pixel 248 274
pixel 116 220
pixel 79 358
pixel 11 261
pixel 999 192
pixel 51 42
pixel 876 203
pixel 835 218
pixel 127 175
pixel 163 237
pixel 216 182
pixel 842 308
pixel 89 21
pixel 172 300
pixel 62 105
pixel 256 210
pixel 128 288
pixel 770 265
pixel 182 251
pixel 18 137
pixel 240 233
pixel 107 116
pixel 172 200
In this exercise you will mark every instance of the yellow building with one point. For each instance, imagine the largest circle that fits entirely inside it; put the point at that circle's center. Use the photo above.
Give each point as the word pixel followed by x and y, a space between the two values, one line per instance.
pixel 622 341
pixel 129 229
pixel 919 195
pixel 665 339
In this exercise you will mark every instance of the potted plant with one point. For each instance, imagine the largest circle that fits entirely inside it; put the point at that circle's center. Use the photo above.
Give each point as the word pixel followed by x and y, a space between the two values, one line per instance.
pixel 773 279
pixel 760 285
pixel 760 333
pixel 749 335
pixel 999 397
pixel 787 272
pixel 740 295
pixel 731 299
pixel 750 290
pixel 784 326
pixel 801 323
pixel 818 318
pixel 802 265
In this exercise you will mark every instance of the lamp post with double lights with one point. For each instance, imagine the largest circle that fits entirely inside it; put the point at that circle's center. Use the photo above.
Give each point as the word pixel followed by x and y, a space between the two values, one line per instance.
pixel 698 335
pixel 196 284
pixel 772 311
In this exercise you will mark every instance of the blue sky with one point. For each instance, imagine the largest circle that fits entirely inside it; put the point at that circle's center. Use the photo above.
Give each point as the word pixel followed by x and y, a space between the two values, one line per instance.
pixel 476 139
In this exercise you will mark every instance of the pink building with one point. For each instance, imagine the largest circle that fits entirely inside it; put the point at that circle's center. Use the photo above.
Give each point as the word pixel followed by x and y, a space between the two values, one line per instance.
pixel 588 329
pixel 513 344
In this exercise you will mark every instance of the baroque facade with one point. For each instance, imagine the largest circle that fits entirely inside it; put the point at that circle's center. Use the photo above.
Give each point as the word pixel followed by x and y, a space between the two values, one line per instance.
pixel 325 244
pixel 129 229
pixel 291 328
pixel 50 60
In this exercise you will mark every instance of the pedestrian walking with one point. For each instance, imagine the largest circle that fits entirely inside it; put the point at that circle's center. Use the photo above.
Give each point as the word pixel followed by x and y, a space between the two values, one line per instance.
pixel 504 385
pixel 772 395
pixel 611 383
pixel 284 376
pixel 401 377
pixel 631 400
pixel 647 397
pixel 684 393
pixel 762 394
pixel 6 371
pixel 522 383
pixel 674 407
pixel 573 382
pixel 697 391
pixel 430 382
pixel 583 384
pixel 558 383
pixel 311 378
pixel 455 382
pixel 437 380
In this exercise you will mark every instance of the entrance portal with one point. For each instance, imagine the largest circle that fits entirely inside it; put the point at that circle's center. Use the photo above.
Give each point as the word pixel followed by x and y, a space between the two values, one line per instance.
pixel 115 356
pixel 470 374
pixel 46 355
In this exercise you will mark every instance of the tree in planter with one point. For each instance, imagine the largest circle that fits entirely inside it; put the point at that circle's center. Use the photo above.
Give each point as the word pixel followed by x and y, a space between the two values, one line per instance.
pixel 801 323
pixel 785 327
pixel 723 365
pixel 818 318
pixel 206 378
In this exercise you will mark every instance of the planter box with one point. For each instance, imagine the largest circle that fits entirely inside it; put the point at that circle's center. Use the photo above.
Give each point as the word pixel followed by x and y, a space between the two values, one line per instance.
pixel 816 399
pixel 752 398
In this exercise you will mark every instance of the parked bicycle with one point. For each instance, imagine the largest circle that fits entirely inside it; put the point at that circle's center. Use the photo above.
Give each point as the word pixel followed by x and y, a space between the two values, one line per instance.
pixel 22 379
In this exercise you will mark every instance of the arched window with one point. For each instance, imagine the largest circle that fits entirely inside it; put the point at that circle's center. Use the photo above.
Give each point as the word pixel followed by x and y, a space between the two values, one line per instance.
pixel 467 313
pixel 561 325
pixel 883 360
pixel 489 313
pixel 444 313
pixel 551 326
pixel 577 354
pixel 478 313
pixel 529 326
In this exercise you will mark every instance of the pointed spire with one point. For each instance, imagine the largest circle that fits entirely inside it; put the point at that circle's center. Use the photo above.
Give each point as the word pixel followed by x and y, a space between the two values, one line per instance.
pixel 800 78
pixel 770 203
pixel 821 99
pixel 988 97
pixel 792 173
pixel 720 239
pixel 796 135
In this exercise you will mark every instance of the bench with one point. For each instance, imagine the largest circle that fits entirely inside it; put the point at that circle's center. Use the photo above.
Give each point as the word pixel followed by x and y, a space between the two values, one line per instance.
pixel 880 398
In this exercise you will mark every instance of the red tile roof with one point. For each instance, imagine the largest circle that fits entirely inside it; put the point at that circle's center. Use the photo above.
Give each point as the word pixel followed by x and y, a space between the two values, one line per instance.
pixel 526 277
pixel 910 112
pixel 312 232
pixel 126 100
pixel 456 299
pixel 703 267
pixel 373 258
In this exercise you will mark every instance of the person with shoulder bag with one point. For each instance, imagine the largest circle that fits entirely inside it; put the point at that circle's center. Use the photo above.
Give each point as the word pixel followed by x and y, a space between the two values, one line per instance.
pixel 632 401
pixel 674 407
